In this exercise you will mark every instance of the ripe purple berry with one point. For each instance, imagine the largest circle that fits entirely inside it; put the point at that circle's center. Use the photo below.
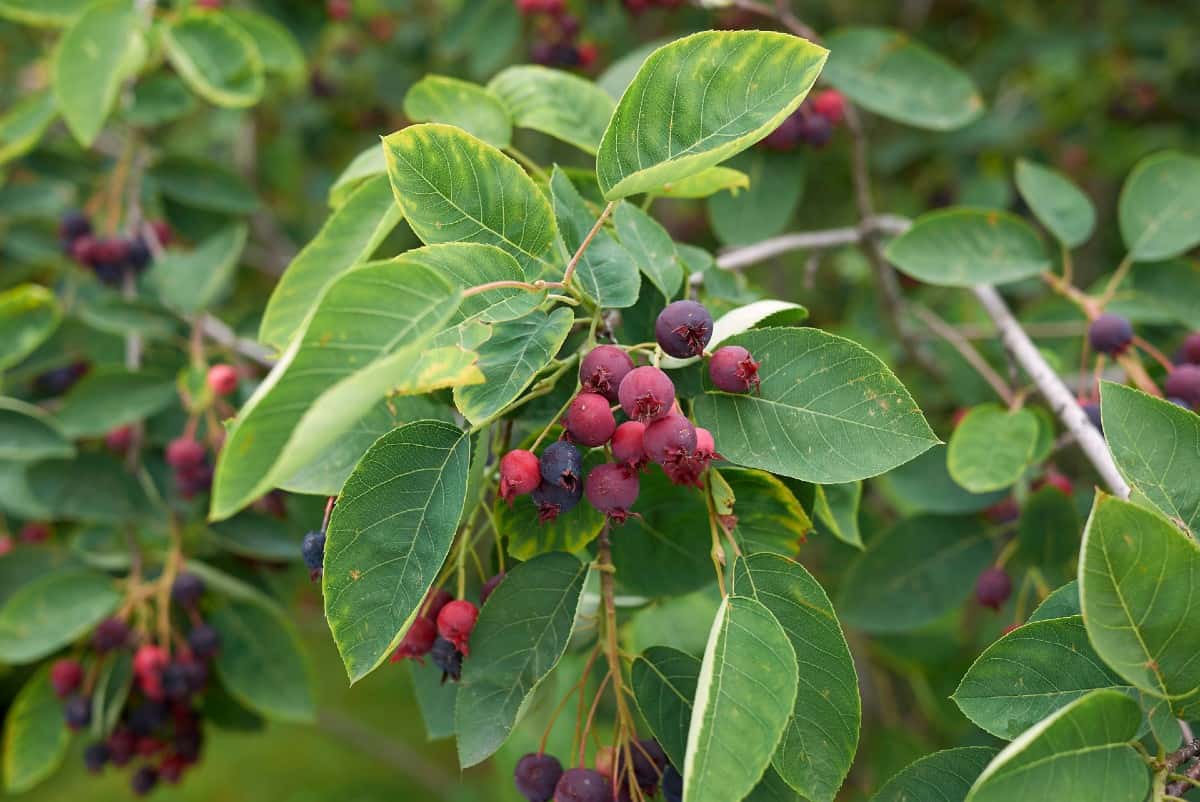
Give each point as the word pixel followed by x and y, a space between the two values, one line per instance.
pixel 733 369
pixel 582 785
pixel 993 588
pixel 536 775
pixel 602 370
pixel 489 586
pixel 111 633
pixel 562 466
pixel 143 780
pixel 77 711
pixel 646 394
pixel 204 641
pixel 1189 352
pixel 683 329
pixel 649 761
pixel 447 658
pixel 1110 334
pixel 313 550
pixel 187 590
pixel 672 785
pixel 612 489
pixel 71 227
pixel 669 438
pixel 627 444
pixel 95 756
pixel 589 420
pixel 1184 384
pixel 553 500
pixel 520 473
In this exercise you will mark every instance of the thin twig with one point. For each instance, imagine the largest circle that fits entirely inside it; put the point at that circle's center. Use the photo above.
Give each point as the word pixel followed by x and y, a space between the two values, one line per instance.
pixel 219 332
pixel 738 258
pixel 570 271
pixel 966 350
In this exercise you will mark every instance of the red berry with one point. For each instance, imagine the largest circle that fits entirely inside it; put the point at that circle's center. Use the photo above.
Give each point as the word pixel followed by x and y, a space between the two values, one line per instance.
pixel 171 769
pixel 184 452
pixel 1003 512
pixel 1190 350
pixel 34 532
pixel 339 10
pixel 603 369
pixel 1110 334
pixel 520 473
pixel 612 489
pixel 587 54
pixel 1058 481
pixel 830 104
pixel 627 444
pixel 66 676
pixel 646 394
pixel 149 660
pixel 589 420
pixel 222 379
pixel 455 622
pixel 161 228
pixel 993 588
pixel 683 328
pixel 1184 384
pixel 119 439
pixel 733 369
pixel 6 544
pixel 417 642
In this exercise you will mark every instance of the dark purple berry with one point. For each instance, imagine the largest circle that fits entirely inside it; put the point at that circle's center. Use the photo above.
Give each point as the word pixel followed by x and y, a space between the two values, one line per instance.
pixel 520 473
pixel 447 658
pixel 552 500
pixel 562 466
pixel 95 756
pixel 733 369
pixel 1189 352
pixel 683 329
pixel 139 257
pixel 612 489
pixel 813 129
pixel 57 381
pixel 71 227
pixel 176 681
pixel 582 785
pixel 1092 410
pixel 536 775
pixel 147 717
pixel 602 370
pixel 143 780
pixel 1184 384
pixel 672 785
pixel 649 761
pixel 187 590
pixel 489 586
pixel 589 420
pixel 993 588
pixel 313 550
pixel 111 633
pixel 646 394
pixel 1110 334
pixel 188 743
pixel 204 641
pixel 77 711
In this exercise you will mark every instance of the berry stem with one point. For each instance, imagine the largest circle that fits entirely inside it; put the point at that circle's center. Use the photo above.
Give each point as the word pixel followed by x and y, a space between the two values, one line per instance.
pixel 557 417
pixel 1154 353
pixel 169 572
pixel 1137 373
pixel 591 716
pixel 576 688
pixel 612 651
pixel 1115 281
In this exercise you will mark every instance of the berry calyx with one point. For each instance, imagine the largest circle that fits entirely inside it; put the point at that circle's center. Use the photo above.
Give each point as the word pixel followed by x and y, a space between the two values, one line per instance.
pixel 733 369
pixel 520 473
pixel 1184 383
pixel 447 658
pixel 455 623
pixel 66 676
pixel 993 588
pixel 489 586
pixel 417 642
pixel 706 446
pixel 589 420
pixel 536 775
pixel 627 444
pixel 1110 334
pixel 683 329
pixel 187 590
pixel 222 379
pixel 830 104
pixel 562 466
pixel 185 453
pixel 312 548
pixel 603 369
pixel 612 489
pixel 553 500
pixel 582 785
pixel 646 394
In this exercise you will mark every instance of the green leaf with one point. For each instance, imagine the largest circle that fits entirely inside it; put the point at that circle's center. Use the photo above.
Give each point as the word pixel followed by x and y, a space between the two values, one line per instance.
pixel 349 236
pixel 157 100
pixel 92 487
pixel 50 612
pixel 755 315
pixel 23 125
pixel 1029 673
pixel 656 550
pixel 819 742
pixel 255 536
pixel 108 398
pixel 554 102
pixel 435 698
pixel 1062 602
pixel 706 183
pixel 836 507
pixel 1049 533
pixel 521 634
pixel 191 281
pixel 1156 445
pixel 721 90
pixel 369 163
pixel 1159 204
pixel 35 734
pixel 962 247
pixel 261 662
pixel 991 447
pixel 606 271
pixel 389 534
pixel 439 99
pixel 744 697
pixel 664 684
pixel 1171 287
pixel 886 72
pixel 1079 753
pixel 944 776
pixel 650 246
pixel 1137 581
pixel 769 518
pixel 765 209
pixel 28 433
pixel 454 188
pixel 204 184
pixel 924 484
pixel 468 265
pixel 829 410
pixel 48 13
pixel 930 562
pixel 367 314
pixel 516 352
pixel 111 314
pixel 216 57
pixel 89 65
pixel 29 314
pixel 1056 202
pixel 278 49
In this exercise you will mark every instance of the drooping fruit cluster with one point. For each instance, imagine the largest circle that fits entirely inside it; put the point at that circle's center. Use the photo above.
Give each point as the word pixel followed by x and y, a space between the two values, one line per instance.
pixel 556 32
pixel 442 630
pixel 110 258
pixel 158 732
pixel 539 777
pixel 993 588
pixel 811 124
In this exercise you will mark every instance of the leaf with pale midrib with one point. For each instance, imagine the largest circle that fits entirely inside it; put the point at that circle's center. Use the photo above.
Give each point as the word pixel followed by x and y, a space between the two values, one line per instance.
pixel 554 102
pixel 1159 203
pixel 261 662
pixel 35 734
pixel 1059 204
pixel 440 99
pixel 944 776
pixel 28 433
pixel 52 611
pixel 606 271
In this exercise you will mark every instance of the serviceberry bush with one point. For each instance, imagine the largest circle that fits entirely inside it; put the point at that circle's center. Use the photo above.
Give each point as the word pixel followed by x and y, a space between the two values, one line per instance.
pixel 628 527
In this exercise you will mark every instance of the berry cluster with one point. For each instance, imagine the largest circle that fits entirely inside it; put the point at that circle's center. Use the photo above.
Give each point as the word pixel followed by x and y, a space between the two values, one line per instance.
pixel 1112 335
pixel 812 124
pixel 556 33
pixel 159 729
pixel 540 777
pixel 443 630
pixel 110 258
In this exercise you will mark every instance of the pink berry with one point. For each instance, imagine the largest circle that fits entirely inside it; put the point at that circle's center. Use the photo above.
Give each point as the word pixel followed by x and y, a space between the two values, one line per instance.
pixel 222 379
pixel 149 659
pixel 706 446
pixel 830 104
pixel 417 642
pixel 339 10
pixel 185 453
pixel 612 489
pixel 1184 384
pixel 603 369
pixel 993 588
pixel 646 394
pixel 733 369
pixel 66 676
pixel 627 444
pixel 669 439
pixel 589 420
pixel 455 622
pixel 1058 481
pixel 520 473
pixel 119 439
pixel 6 544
